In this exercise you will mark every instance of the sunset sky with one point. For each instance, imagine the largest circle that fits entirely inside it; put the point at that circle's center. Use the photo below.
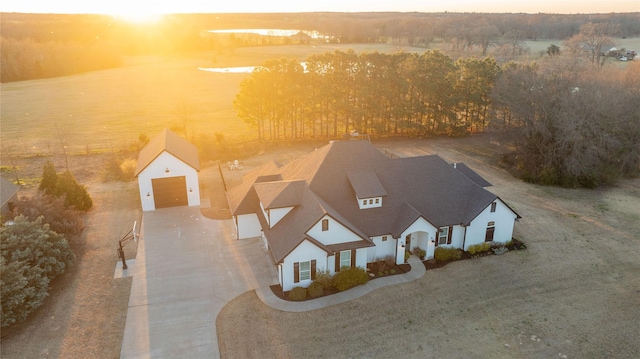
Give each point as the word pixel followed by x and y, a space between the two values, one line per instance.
pixel 219 6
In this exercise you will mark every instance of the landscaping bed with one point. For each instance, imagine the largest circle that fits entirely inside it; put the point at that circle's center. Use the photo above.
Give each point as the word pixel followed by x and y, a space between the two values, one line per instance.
pixel 488 250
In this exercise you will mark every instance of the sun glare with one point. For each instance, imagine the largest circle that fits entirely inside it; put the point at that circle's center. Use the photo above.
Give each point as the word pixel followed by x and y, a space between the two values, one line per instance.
pixel 138 16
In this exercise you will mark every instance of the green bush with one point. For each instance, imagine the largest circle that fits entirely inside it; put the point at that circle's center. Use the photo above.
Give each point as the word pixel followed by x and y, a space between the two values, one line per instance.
pixel 298 293
pixel 75 194
pixel 315 290
pixel 324 278
pixel 443 254
pixel 61 220
pixel 350 277
pixel 479 248
pixel 32 255
pixel 407 254
pixel 49 179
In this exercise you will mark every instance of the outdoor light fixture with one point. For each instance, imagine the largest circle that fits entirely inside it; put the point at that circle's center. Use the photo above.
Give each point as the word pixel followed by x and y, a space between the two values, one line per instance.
pixel 190 190
pixel 167 170
pixel 148 194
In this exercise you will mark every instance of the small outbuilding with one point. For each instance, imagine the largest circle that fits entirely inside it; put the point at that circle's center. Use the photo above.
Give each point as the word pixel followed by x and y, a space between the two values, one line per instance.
pixel 167 173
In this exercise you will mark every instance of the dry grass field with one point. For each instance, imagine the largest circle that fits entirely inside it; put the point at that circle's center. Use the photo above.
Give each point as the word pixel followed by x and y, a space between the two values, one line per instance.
pixel 574 292
pixel 106 110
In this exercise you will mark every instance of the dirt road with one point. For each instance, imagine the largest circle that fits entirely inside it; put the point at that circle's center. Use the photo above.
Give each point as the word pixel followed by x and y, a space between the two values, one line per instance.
pixel 574 293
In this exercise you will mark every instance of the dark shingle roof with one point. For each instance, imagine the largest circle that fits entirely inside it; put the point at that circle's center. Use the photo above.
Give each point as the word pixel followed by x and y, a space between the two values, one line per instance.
pixel 280 193
pixel 173 144
pixel 366 184
pixel 465 170
pixel 7 190
pixel 424 186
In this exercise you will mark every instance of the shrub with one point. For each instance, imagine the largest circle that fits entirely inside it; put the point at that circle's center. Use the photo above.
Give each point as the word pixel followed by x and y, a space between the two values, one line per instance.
pixel 407 254
pixel 49 179
pixel 32 255
pixel 350 277
pixel 315 290
pixel 66 221
pixel 421 253
pixel 500 250
pixel 479 248
pixel 443 254
pixel 324 278
pixel 298 293
pixel 128 168
pixel 75 194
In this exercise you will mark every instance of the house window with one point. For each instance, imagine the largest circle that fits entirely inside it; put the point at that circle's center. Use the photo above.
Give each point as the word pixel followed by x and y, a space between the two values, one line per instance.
pixel 384 238
pixel 370 201
pixel 377 200
pixel 443 235
pixel 364 202
pixel 491 227
pixel 305 270
pixel 493 207
pixel 345 259
pixel 325 225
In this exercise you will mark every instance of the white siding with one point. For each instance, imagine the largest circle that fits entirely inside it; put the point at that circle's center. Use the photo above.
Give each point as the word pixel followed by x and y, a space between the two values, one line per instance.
pixel 305 251
pixel 337 233
pixel 248 226
pixel 420 225
pixel 504 219
pixel 373 204
pixel 156 169
pixel 382 249
pixel 457 237
pixel 276 214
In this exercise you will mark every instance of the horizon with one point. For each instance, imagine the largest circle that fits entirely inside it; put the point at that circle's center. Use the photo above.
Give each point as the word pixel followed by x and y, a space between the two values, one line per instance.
pixel 164 7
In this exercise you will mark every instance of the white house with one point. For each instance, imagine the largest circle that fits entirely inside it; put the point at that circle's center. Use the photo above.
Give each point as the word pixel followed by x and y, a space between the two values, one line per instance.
pixel 167 173
pixel 346 204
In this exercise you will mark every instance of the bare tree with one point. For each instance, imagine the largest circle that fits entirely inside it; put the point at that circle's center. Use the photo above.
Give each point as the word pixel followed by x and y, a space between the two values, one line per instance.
pixel 594 41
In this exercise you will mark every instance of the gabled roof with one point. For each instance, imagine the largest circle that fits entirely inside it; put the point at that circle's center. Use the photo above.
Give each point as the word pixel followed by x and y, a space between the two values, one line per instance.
pixel 366 184
pixel 465 170
pixel 7 190
pixel 418 187
pixel 171 143
pixel 267 168
pixel 280 194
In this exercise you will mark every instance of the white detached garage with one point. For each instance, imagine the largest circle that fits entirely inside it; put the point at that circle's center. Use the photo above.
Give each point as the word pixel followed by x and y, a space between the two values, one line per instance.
pixel 167 173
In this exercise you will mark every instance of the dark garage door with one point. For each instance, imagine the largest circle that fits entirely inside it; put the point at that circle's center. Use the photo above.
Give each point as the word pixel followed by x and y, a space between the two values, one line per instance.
pixel 170 192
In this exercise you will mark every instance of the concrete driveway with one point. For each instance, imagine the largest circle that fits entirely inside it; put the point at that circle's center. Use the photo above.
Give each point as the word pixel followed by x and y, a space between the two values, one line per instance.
pixel 187 269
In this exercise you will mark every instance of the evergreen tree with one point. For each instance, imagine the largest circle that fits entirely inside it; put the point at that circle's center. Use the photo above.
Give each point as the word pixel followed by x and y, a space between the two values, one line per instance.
pixel 76 195
pixel 49 179
pixel 32 255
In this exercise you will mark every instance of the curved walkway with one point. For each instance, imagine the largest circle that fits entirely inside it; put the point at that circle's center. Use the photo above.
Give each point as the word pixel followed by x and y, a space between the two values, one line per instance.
pixel 267 297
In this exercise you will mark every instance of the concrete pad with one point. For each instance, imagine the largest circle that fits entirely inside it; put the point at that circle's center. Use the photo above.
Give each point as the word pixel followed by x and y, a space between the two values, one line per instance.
pixel 125 273
pixel 188 268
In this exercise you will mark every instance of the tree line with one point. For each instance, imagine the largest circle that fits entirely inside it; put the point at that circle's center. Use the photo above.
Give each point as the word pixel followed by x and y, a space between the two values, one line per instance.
pixel 573 122
pixel 375 93
pixel 47 45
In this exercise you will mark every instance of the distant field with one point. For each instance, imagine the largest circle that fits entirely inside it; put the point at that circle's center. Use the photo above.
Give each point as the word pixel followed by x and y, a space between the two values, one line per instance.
pixel 104 110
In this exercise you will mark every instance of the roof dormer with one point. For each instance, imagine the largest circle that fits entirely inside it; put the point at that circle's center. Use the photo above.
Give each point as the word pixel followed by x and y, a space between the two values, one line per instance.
pixel 369 191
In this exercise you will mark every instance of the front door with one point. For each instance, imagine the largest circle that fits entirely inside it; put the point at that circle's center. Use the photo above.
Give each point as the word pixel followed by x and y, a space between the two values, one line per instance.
pixel 408 242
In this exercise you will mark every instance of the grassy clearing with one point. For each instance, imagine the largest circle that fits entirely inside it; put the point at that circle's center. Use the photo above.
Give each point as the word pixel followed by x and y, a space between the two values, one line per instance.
pixel 109 109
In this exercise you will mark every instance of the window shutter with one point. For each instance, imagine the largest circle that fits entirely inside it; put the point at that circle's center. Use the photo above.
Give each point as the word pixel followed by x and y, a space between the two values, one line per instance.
pixel 337 256
pixel 449 235
pixel 313 269
pixel 296 272
pixel 353 258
